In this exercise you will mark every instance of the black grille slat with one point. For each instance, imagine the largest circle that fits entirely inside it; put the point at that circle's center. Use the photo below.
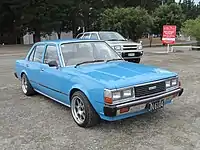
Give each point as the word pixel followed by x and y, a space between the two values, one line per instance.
pixel 146 90
pixel 129 47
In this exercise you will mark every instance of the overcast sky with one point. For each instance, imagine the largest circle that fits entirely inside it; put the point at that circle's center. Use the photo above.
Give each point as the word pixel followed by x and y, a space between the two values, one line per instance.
pixel 194 0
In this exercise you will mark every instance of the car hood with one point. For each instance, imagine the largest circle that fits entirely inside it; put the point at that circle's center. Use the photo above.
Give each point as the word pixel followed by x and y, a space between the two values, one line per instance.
pixel 120 74
pixel 122 43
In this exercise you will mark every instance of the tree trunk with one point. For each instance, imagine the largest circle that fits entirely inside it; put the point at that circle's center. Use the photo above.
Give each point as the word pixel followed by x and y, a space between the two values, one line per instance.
pixel 74 27
pixel 37 35
pixel 59 35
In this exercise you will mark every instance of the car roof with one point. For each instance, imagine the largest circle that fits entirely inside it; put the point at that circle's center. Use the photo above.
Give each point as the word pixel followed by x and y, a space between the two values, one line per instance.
pixel 96 32
pixel 66 41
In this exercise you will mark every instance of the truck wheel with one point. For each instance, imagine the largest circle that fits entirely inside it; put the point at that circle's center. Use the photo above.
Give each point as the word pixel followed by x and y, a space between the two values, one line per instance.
pixel 82 111
pixel 26 86
pixel 136 60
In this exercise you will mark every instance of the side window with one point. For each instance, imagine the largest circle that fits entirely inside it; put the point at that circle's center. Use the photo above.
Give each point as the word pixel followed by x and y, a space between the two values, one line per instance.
pixel 94 36
pixel 79 36
pixel 30 58
pixel 51 54
pixel 86 36
pixel 38 53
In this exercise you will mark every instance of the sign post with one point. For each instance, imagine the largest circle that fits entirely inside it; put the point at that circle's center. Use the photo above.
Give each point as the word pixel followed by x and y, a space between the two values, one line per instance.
pixel 169 35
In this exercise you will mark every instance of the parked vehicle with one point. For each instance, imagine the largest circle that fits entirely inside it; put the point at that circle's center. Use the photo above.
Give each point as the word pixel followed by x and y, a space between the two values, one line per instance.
pixel 92 79
pixel 129 50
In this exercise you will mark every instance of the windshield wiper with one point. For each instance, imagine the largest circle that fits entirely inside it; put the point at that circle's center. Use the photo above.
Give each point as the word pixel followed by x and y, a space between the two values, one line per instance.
pixel 113 59
pixel 86 62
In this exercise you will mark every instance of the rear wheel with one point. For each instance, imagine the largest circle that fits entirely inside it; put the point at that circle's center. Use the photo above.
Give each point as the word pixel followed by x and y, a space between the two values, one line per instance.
pixel 136 60
pixel 26 86
pixel 82 111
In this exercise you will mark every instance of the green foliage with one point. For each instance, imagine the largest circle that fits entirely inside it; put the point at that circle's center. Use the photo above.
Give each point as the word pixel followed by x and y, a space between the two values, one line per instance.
pixel 132 22
pixel 167 14
pixel 17 17
pixel 192 28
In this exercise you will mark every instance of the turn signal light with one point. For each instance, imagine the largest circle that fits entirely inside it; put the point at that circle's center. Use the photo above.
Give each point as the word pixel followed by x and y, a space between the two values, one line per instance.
pixel 108 100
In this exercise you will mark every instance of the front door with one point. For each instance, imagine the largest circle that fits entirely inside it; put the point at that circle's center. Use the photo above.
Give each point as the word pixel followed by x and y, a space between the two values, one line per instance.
pixel 51 77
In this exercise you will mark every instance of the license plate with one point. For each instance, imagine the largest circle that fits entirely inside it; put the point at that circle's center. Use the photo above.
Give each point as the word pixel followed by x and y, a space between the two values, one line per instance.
pixel 131 54
pixel 156 105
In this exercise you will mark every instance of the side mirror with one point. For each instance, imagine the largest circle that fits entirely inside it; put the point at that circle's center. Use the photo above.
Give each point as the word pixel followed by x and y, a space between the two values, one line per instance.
pixel 53 64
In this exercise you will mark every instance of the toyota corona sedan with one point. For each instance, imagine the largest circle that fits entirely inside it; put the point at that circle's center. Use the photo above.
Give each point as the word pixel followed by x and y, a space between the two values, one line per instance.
pixel 94 81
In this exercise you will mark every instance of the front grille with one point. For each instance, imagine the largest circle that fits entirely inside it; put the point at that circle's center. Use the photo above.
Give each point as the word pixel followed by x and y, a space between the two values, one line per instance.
pixel 129 47
pixel 149 89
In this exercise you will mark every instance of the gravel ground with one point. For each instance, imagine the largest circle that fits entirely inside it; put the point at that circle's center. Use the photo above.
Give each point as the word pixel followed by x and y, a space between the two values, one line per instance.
pixel 39 123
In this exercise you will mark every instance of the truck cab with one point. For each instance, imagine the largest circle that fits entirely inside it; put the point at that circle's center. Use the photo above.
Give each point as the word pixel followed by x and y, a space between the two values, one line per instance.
pixel 129 50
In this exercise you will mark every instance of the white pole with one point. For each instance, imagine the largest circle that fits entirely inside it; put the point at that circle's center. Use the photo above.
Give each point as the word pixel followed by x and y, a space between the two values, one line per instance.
pixel 167 48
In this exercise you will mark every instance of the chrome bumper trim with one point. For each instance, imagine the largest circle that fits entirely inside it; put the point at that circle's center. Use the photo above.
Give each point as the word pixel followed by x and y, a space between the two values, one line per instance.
pixel 146 100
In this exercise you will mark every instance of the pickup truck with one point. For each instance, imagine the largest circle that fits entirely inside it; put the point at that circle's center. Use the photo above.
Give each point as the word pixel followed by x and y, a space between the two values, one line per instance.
pixel 129 50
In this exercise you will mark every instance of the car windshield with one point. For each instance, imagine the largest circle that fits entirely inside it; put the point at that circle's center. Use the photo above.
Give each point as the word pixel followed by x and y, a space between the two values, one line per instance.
pixel 87 52
pixel 111 36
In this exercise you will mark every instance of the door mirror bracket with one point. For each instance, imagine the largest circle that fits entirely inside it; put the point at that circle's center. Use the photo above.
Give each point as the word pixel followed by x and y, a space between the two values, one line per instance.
pixel 53 64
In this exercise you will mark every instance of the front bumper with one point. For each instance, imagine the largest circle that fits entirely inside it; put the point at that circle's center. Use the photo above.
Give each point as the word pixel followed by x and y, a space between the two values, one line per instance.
pixel 131 54
pixel 111 111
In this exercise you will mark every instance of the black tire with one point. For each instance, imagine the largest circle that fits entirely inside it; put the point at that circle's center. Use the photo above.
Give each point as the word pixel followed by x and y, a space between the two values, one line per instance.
pixel 136 60
pixel 91 117
pixel 28 91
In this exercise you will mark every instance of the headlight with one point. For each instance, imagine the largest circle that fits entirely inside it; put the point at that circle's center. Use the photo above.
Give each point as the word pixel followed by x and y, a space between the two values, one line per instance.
pixel 118 47
pixel 116 95
pixel 168 84
pixel 111 97
pixel 171 83
pixel 127 93
pixel 140 47
pixel 174 82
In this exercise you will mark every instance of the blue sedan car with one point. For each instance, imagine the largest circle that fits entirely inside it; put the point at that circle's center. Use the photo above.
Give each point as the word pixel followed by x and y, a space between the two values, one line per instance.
pixel 94 81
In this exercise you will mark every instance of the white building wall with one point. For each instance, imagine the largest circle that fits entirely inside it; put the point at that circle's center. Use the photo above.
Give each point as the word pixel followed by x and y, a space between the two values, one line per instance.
pixel 28 38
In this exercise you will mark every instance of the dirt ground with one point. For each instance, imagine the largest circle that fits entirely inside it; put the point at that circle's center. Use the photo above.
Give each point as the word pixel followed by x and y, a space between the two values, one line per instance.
pixel 37 122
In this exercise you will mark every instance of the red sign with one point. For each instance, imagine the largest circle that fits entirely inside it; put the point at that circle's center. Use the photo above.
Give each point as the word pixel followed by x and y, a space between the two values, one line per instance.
pixel 169 34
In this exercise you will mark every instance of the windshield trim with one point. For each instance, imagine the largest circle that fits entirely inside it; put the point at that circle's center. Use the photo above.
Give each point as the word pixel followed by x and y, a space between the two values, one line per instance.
pixel 71 42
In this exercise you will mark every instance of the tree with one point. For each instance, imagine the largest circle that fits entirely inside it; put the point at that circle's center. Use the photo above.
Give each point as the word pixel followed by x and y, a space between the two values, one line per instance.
pixel 10 21
pixel 167 14
pixel 191 27
pixel 190 9
pixel 131 22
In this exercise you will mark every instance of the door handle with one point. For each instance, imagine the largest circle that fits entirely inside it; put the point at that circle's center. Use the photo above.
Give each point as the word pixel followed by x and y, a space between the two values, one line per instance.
pixel 27 65
pixel 42 69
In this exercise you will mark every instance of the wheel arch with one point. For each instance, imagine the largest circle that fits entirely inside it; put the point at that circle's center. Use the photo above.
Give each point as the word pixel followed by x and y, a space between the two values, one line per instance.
pixel 85 92
pixel 22 72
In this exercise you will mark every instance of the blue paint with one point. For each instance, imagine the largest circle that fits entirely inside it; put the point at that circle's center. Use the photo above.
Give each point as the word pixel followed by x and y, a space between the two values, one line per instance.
pixel 91 79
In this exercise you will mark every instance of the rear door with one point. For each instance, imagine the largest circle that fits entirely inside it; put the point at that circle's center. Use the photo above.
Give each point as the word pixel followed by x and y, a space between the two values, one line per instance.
pixel 33 65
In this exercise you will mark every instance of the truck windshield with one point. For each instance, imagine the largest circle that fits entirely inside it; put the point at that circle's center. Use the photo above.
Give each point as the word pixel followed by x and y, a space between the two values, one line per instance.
pixel 111 36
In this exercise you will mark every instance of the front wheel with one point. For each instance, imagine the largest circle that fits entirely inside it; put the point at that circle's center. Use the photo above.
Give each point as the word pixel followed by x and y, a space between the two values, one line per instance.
pixel 136 60
pixel 82 111
pixel 26 86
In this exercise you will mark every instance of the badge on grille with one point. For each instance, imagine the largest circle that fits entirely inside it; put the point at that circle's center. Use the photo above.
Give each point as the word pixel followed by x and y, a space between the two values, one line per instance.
pixel 152 88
